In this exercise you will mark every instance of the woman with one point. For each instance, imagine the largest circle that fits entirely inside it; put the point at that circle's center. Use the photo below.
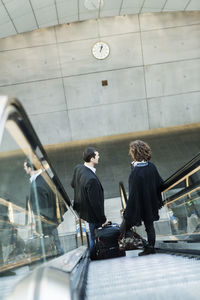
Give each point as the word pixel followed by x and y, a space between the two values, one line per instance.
pixel 144 193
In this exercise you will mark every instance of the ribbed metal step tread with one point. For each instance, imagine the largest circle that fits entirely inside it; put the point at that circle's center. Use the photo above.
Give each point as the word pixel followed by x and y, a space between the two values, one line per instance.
pixel 157 276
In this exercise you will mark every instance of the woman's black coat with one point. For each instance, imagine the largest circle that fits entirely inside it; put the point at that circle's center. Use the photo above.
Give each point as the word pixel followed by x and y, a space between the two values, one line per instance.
pixel 144 195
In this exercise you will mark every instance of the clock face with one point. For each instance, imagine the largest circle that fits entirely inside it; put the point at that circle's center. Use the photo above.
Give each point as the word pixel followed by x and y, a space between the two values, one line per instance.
pixel 100 50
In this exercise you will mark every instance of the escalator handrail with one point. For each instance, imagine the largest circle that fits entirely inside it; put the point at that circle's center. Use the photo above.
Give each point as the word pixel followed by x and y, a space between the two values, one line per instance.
pixel 190 189
pixel 182 172
pixel 12 106
pixel 123 195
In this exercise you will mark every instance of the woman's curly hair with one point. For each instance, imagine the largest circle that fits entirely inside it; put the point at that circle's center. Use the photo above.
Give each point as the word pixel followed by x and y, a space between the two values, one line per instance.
pixel 140 150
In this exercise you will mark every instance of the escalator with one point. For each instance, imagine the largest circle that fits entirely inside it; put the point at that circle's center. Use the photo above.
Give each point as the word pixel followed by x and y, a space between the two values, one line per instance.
pixel 173 272
pixel 31 263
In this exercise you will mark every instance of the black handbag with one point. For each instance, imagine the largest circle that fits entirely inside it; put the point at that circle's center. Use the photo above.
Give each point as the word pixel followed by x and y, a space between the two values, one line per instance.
pixel 106 242
pixel 108 235
pixel 131 240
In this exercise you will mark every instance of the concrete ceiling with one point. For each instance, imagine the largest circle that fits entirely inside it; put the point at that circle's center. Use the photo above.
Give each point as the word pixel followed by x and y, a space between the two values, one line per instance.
pixel 18 16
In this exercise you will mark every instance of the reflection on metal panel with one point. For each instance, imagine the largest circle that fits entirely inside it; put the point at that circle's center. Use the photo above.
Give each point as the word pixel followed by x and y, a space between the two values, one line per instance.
pixel 34 208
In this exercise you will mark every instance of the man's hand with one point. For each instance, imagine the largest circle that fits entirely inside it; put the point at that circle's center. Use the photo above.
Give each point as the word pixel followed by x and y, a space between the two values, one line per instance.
pixel 122 212
pixel 106 223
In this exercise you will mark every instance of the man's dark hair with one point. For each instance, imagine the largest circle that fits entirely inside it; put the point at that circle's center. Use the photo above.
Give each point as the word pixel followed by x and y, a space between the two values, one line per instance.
pixel 89 153
pixel 29 164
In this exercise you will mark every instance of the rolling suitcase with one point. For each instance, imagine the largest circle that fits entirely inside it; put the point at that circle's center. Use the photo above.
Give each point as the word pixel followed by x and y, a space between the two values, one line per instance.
pixel 106 242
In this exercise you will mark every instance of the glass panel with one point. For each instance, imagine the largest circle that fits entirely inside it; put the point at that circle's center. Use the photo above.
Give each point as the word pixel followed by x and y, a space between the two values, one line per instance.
pixel 193 207
pixel 35 223
pixel 32 213
pixel 194 178
pixel 170 194
pixel 183 208
pixel 13 197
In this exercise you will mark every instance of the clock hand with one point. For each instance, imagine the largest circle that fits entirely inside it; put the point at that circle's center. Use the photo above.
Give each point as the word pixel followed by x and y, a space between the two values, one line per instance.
pixel 101 48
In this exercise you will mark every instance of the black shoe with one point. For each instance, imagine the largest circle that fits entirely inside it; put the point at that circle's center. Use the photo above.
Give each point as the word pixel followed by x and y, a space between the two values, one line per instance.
pixel 147 251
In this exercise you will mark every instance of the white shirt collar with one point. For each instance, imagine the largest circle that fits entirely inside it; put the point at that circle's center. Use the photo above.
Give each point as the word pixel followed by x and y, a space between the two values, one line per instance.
pixel 135 163
pixel 35 175
pixel 91 168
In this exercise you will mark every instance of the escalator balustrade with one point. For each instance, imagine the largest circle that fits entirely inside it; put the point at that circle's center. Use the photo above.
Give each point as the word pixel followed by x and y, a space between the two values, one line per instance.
pixel 37 222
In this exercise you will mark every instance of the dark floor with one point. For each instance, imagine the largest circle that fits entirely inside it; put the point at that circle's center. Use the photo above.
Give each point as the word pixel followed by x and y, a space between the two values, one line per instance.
pixel 170 151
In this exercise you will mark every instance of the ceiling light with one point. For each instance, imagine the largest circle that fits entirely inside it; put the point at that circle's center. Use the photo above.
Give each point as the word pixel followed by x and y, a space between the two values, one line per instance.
pixel 93 4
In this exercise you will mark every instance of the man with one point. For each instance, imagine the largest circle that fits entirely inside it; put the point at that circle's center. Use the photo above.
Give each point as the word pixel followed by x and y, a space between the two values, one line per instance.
pixel 88 194
pixel 43 203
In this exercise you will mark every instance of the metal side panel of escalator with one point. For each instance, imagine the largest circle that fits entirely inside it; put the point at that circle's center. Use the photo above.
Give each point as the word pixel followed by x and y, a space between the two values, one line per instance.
pixel 37 222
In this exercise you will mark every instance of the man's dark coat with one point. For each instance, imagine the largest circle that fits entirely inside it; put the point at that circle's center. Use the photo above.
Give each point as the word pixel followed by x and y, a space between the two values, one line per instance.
pixel 88 195
pixel 144 195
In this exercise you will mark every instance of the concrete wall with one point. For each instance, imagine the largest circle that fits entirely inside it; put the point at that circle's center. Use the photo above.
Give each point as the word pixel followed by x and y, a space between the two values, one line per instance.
pixel 153 74
pixel 171 149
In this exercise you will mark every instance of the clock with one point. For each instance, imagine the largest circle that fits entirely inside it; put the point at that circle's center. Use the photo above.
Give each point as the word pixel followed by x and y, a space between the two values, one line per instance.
pixel 100 50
